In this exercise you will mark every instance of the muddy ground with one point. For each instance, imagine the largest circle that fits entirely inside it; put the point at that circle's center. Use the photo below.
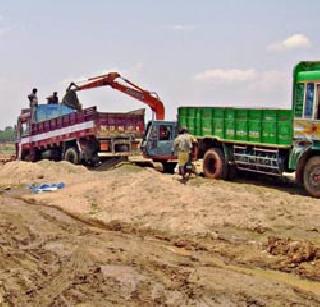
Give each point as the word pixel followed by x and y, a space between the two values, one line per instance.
pixel 133 236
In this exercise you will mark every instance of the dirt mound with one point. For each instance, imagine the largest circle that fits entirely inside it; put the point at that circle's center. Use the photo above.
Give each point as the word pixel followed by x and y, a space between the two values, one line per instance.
pixel 297 251
pixel 18 172
pixel 297 256
pixel 144 197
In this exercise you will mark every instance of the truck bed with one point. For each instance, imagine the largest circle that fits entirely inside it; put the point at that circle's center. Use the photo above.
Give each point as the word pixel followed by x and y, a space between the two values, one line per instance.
pixel 116 124
pixel 100 124
pixel 267 127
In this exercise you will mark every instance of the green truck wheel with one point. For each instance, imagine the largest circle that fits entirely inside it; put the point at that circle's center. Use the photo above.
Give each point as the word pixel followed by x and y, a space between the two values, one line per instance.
pixel 311 176
pixel 214 164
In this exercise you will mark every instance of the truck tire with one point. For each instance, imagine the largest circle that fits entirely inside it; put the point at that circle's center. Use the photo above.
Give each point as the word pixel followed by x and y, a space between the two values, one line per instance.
pixel 300 171
pixel 311 176
pixel 168 167
pixel 25 156
pixel 72 155
pixel 214 164
pixel 35 155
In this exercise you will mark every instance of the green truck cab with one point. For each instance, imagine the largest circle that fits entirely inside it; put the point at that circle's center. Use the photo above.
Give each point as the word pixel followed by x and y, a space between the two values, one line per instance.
pixel 269 141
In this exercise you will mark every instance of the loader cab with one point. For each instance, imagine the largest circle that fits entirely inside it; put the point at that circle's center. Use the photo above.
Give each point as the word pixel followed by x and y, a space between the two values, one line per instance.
pixel 158 140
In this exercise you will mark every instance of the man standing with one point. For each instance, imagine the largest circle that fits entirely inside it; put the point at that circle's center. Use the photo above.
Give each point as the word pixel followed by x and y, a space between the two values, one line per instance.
pixel 33 103
pixel 33 98
pixel 53 99
pixel 183 145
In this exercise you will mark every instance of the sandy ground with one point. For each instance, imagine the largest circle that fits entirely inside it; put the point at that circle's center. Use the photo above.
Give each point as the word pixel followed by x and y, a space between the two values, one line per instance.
pixel 133 236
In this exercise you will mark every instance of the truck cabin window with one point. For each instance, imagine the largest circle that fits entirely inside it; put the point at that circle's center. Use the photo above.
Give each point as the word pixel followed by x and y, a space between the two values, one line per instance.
pixel 164 133
pixel 24 130
pixel 308 102
pixel 317 115
pixel 148 129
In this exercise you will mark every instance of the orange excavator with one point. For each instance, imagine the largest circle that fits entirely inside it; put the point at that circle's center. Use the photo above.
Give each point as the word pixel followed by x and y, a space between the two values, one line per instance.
pixel 114 80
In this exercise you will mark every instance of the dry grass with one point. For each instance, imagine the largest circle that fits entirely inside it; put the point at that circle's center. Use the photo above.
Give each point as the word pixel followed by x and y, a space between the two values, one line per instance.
pixel 7 150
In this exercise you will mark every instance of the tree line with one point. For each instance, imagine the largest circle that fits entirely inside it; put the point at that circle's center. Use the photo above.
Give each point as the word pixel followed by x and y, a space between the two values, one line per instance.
pixel 7 135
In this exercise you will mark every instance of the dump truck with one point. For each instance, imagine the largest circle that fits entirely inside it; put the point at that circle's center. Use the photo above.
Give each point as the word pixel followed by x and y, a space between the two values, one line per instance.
pixel 58 132
pixel 259 140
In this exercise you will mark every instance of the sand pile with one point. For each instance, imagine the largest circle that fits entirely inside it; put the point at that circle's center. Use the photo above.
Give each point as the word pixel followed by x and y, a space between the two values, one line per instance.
pixel 146 198
pixel 15 173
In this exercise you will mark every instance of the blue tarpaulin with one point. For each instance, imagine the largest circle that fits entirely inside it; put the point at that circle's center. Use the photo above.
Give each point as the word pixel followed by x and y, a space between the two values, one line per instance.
pixel 46 187
pixel 49 111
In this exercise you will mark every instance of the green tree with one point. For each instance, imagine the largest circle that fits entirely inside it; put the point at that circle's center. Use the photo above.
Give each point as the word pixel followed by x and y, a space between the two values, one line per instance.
pixel 7 135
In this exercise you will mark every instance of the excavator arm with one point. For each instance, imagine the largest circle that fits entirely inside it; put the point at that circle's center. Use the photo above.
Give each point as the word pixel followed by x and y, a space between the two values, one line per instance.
pixel 114 80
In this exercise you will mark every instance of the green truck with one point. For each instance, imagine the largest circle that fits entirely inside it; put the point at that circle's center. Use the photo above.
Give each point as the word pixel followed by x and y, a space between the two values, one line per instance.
pixel 269 141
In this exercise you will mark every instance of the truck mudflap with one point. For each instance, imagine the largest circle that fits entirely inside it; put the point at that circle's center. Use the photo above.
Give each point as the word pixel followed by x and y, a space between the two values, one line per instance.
pixel 299 149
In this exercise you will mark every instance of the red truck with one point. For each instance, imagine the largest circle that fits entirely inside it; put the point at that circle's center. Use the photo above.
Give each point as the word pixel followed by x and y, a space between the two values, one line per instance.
pixel 84 136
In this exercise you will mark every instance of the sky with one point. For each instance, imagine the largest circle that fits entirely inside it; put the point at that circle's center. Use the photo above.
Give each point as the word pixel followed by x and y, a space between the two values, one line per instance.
pixel 201 53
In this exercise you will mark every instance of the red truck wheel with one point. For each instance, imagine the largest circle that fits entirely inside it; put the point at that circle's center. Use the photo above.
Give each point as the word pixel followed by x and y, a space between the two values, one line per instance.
pixel 311 176
pixel 72 155
pixel 214 164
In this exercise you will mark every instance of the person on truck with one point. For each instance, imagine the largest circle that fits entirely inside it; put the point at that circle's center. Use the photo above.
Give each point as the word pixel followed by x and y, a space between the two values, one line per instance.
pixel 33 98
pixel 71 99
pixel 183 145
pixel 53 99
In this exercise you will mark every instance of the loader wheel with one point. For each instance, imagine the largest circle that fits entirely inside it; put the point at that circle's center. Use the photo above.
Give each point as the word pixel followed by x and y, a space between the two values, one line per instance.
pixel 214 164
pixel 72 155
pixel 311 176
pixel 168 167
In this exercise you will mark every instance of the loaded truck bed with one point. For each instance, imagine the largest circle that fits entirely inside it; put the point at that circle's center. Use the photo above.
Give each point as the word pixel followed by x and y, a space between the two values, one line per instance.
pixel 264 127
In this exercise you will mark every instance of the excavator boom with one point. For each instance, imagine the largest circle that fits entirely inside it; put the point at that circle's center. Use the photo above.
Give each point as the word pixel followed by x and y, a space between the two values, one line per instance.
pixel 114 80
